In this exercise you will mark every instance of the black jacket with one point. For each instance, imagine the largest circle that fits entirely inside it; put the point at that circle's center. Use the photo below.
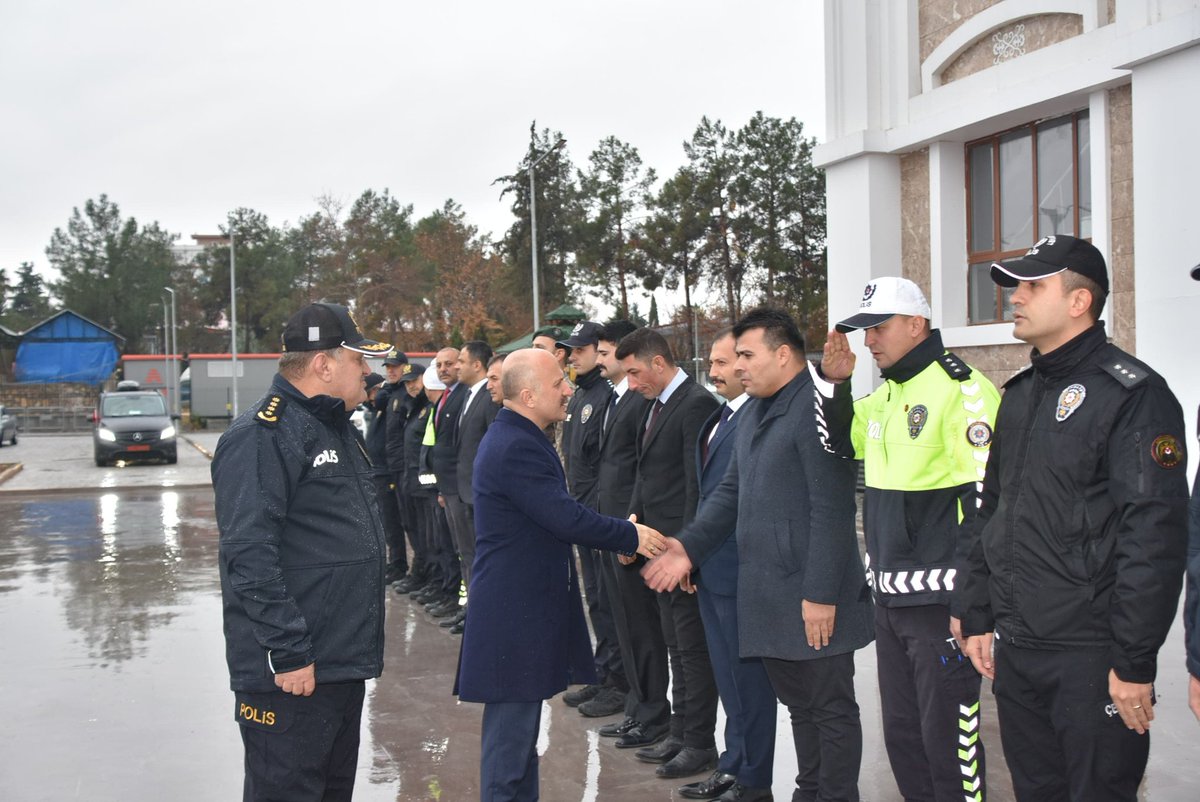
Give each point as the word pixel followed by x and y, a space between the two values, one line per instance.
pixel 376 439
pixel 444 454
pixel 472 426
pixel 301 543
pixel 1082 530
pixel 581 435
pixel 395 419
pixel 619 453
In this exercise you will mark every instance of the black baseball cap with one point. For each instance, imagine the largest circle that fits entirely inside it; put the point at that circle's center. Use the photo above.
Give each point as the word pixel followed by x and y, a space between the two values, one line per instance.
pixel 1196 272
pixel 395 357
pixel 372 380
pixel 321 326
pixel 585 333
pixel 1050 256
pixel 408 372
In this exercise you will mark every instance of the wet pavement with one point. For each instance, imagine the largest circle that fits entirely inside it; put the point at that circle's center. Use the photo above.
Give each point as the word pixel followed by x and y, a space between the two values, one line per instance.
pixel 113 682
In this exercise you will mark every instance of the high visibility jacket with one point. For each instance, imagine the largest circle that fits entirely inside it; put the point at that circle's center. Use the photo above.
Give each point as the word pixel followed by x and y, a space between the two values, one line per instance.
pixel 923 436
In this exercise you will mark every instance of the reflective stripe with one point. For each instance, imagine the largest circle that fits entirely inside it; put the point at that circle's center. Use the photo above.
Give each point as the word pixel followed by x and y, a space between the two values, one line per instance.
pixel 901 582
pixel 968 748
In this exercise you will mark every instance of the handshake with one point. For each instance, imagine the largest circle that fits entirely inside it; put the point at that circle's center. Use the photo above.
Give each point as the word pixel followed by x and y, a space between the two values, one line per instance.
pixel 669 565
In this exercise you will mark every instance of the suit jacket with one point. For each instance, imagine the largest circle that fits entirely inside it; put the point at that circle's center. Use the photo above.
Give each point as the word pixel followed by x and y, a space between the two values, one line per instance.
pixel 618 455
pixel 667 487
pixel 792 504
pixel 444 456
pixel 471 428
pixel 718 573
pixel 525 636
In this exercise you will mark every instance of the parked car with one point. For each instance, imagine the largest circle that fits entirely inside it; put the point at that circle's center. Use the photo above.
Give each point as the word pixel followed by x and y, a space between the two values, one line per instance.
pixel 132 423
pixel 8 426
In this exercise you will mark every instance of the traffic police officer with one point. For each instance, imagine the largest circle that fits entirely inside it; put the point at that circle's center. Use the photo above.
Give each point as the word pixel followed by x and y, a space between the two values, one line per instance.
pixel 1081 540
pixel 302 564
pixel 923 436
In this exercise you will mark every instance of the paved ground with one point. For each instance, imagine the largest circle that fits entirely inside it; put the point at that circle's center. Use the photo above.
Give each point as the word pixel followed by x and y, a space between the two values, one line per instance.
pixel 113 682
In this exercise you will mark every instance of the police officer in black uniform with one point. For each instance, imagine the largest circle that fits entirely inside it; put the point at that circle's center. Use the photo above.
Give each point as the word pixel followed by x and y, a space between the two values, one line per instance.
pixel 1080 540
pixel 301 558
pixel 380 393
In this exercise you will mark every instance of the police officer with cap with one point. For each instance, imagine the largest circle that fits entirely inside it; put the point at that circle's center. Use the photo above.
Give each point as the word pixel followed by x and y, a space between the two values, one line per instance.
pixel 394 410
pixel 380 393
pixel 923 437
pixel 1073 579
pixel 301 559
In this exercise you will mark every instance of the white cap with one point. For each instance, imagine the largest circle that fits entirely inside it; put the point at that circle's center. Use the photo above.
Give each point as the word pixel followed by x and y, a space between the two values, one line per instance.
pixel 883 298
pixel 432 382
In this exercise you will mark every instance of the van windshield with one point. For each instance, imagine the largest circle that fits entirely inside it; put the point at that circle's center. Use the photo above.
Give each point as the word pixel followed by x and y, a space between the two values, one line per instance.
pixel 125 406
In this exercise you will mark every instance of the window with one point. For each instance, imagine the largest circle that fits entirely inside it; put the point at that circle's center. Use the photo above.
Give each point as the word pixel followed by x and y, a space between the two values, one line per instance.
pixel 1023 185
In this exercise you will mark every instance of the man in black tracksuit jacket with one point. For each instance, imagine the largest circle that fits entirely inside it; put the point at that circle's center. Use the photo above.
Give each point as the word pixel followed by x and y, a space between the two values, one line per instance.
pixel 1079 551
pixel 301 559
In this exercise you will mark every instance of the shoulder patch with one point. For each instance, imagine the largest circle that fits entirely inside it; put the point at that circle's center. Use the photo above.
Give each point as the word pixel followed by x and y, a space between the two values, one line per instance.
pixel 1126 370
pixel 271 410
pixel 955 368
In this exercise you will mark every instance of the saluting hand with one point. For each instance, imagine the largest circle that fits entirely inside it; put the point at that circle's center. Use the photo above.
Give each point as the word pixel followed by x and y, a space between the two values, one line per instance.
pixel 837 360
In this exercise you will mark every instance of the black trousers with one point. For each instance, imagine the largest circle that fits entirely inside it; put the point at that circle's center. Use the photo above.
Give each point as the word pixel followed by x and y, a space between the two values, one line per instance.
pixel 693 688
pixel 929 693
pixel 1062 738
pixel 442 541
pixel 301 748
pixel 643 650
pixel 609 668
pixel 393 527
pixel 461 517
pixel 411 523
pixel 826 728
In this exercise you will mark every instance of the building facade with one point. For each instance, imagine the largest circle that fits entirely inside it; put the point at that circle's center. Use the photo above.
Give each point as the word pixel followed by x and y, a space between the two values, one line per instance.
pixel 960 131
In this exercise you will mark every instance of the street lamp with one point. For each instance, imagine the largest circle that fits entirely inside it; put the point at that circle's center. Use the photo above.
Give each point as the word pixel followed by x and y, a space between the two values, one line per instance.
pixel 172 350
pixel 559 145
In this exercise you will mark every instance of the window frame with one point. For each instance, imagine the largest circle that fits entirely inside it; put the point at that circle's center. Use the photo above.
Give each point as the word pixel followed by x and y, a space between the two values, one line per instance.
pixel 996 254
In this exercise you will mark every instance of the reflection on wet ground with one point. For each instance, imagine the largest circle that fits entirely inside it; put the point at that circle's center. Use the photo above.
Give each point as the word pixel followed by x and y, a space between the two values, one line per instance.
pixel 114 685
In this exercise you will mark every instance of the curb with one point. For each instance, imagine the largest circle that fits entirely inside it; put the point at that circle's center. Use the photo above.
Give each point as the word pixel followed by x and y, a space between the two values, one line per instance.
pixel 193 444
pixel 11 471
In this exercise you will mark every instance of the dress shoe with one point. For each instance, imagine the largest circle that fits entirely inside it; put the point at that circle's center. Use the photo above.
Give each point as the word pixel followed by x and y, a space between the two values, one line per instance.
pixel 689 762
pixel 458 618
pixel 641 735
pixel 661 753
pixel 609 702
pixel 458 628
pixel 394 573
pixel 428 594
pixel 717 783
pixel 408 584
pixel 740 793
pixel 580 695
pixel 620 728
pixel 449 607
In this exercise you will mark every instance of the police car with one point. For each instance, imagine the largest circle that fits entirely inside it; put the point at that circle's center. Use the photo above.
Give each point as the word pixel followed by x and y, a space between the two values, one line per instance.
pixel 133 424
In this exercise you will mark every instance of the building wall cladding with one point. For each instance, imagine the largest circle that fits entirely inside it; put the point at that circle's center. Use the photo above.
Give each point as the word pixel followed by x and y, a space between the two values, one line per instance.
pixel 1121 312
pixel 1014 40
pixel 914 218
pixel 937 19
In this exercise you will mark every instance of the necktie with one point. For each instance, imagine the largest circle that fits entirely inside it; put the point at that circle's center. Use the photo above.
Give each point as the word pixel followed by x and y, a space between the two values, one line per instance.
pixel 658 405
pixel 726 412
pixel 441 404
pixel 610 409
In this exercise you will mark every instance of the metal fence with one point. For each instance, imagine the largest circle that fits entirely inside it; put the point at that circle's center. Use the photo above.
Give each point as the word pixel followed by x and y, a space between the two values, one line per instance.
pixel 53 419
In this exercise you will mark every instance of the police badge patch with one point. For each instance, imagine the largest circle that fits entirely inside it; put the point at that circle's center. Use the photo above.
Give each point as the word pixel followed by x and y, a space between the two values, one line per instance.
pixel 1166 451
pixel 585 413
pixel 1070 400
pixel 979 434
pixel 916 420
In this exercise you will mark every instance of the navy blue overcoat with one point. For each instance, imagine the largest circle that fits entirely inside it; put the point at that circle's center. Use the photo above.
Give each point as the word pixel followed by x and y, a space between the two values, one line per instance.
pixel 525 636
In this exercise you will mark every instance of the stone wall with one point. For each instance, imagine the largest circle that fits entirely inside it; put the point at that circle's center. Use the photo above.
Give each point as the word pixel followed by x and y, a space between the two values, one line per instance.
pixel 937 19
pixel 1013 41
pixel 914 218
pixel 998 362
pixel 1121 315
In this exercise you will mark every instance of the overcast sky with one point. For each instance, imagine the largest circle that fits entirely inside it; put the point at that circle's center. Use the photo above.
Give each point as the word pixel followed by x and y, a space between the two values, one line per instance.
pixel 182 111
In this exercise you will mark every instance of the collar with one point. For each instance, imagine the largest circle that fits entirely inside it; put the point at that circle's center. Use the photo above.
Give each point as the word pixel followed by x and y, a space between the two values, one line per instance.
pixel 586 380
pixel 917 359
pixel 1063 360
pixel 621 388
pixel 672 386
pixel 737 403
pixel 323 407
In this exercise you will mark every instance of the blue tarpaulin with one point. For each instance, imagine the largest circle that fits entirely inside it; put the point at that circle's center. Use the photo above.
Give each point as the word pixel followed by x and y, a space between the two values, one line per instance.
pixel 67 348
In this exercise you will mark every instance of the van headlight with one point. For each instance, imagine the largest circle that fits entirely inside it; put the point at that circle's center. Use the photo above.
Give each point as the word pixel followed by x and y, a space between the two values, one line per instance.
pixel 167 433
pixel 106 435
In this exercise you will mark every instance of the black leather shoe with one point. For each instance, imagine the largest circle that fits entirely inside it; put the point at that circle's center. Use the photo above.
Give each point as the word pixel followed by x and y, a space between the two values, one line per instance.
pixel 717 783
pixel 458 618
pixel 620 728
pixel 740 793
pixel 427 594
pixel 609 702
pixel 580 695
pixel 408 584
pixel 449 607
pixel 689 762
pixel 661 753
pixel 641 736
pixel 458 628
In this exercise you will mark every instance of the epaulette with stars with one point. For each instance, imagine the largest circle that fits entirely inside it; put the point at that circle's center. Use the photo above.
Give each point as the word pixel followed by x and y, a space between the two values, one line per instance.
pixel 1126 370
pixel 955 368
pixel 271 410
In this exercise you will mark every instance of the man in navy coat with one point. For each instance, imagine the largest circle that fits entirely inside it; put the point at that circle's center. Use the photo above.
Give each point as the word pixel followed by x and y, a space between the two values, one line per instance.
pixel 525 636
pixel 744 770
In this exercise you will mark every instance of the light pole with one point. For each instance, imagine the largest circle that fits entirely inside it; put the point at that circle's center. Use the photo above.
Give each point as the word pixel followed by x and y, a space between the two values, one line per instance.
pixel 559 145
pixel 173 346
